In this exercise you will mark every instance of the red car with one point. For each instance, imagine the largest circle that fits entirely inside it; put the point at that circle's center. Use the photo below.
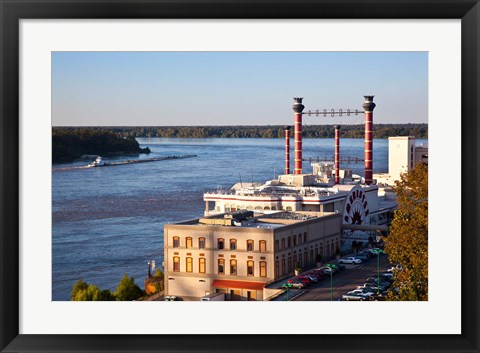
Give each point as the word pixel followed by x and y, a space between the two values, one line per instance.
pixel 305 279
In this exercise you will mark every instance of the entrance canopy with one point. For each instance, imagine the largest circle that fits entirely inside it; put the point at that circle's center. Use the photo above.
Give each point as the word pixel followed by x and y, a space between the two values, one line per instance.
pixel 238 284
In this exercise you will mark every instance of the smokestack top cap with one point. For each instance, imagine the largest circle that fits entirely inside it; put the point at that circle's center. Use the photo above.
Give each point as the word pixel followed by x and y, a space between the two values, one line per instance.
pixel 287 127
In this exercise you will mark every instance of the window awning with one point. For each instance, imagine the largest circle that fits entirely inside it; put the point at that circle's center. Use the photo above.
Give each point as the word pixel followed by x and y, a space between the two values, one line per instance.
pixel 218 283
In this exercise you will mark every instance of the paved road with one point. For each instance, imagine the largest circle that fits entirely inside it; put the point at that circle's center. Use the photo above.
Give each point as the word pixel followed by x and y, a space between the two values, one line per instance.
pixel 344 281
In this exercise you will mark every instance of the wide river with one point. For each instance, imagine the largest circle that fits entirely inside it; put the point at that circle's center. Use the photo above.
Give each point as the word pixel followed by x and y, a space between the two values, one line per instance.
pixel 109 221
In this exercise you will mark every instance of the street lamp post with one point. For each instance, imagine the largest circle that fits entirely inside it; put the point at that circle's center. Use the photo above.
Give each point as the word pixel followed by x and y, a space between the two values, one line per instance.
pixel 331 267
pixel 287 288
pixel 378 252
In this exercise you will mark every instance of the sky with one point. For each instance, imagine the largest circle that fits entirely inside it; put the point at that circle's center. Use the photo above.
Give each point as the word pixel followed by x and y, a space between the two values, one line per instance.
pixel 234 88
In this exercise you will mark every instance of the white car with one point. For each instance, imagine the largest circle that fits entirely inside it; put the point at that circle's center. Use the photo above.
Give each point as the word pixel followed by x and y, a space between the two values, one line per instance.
pixel 363 291
pixel 350 260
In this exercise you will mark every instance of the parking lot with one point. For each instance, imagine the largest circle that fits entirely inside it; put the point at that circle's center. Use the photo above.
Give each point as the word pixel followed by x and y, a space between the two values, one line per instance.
pixel 343 281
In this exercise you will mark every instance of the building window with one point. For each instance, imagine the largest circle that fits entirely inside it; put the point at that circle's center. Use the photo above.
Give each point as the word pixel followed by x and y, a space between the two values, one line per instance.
pixel 283 244
pixel 233 244
pixel 276 245
pixel 263 269
pixel 176 242
pixel 289 242
pixel 294 240
pixel 311 255
pixel 188 243
pixel 250 268
pixel 221 266
pixel 189 264
pixel 233 267
pixel 201 265
pixel 289 264
pixel 249 245
pixel 221 244
pixel 201 243
pixel 305 237
pixel 283 266
pixel 263 245
pixel 299 239
pixel 276 267
pixel 176 264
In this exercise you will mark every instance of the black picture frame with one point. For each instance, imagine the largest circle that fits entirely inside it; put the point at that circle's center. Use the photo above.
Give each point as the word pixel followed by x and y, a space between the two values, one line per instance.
pixel 12 11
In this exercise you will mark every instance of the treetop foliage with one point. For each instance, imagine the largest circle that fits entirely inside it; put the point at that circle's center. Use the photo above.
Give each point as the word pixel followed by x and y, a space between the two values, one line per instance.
pixel 407 243
pixel 127 290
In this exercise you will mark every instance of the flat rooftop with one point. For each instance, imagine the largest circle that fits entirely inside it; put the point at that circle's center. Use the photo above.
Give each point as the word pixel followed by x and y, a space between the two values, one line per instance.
pixel 249 219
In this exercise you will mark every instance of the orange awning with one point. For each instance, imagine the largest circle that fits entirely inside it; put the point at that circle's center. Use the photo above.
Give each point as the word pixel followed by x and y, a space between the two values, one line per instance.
pixel 218 283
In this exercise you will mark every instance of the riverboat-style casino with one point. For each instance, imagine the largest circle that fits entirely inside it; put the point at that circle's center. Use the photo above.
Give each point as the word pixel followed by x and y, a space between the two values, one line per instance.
pixel 253 233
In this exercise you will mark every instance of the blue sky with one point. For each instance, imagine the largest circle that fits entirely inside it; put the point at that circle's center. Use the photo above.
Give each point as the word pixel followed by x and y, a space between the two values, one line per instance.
pixel 234 88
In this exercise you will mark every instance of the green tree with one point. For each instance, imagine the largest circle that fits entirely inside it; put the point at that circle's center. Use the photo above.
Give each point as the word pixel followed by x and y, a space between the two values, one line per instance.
pixel 78 287
pixel 127 290
pixel 407 243
pixel 82 291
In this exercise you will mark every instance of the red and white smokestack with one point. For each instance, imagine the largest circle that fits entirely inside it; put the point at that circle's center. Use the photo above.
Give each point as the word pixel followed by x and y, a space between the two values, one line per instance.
pixel 287 149
pixel 337 154
pixel 368 106
pixel 297 134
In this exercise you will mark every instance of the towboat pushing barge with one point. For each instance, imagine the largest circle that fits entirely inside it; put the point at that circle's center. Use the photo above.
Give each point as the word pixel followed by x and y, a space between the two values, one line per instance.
pixel 98 162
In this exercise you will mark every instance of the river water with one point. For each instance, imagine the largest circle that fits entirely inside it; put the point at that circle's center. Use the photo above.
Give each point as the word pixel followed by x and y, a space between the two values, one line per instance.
pixel 109 221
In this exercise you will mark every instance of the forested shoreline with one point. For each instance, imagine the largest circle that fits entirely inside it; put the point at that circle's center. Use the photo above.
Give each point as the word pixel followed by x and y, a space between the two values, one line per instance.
pixel 269 131
pixel 71 144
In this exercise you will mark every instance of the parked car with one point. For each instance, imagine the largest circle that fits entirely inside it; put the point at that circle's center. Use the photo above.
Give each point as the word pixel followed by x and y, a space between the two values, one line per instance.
pixel 361 292
pixel 374 287
pixel 375 281
pixel 354 297
pixel 171 298
pixel 341 267
pixel 366 253
pixel 305 279
pixel 350 260
pixel 320 274
pixel 312 277
pixel 296 283
pixel 363 257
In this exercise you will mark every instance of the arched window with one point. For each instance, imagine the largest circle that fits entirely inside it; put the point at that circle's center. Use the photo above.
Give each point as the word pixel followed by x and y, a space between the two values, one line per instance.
pixel 233 244
pixel 250 270
pixel 294 240
pixel 189 264
pixel 176 242
pixel 188 242
pixel 289 268
pixel 289 208
pixel 221 266
pixel 266 208
pixel 283 266
pixel 276 268
pixel 176 264
pixel 220 244
pixel 263 245
pixel 283 243
pixel 233 267
pixel 201 243
pixel 289 242
pixel 263 269
pixel 201 265
pixel 250 245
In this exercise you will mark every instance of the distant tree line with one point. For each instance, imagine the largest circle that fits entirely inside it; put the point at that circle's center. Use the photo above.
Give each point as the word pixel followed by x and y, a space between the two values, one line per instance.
pixel 69 144
pixel 269 131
